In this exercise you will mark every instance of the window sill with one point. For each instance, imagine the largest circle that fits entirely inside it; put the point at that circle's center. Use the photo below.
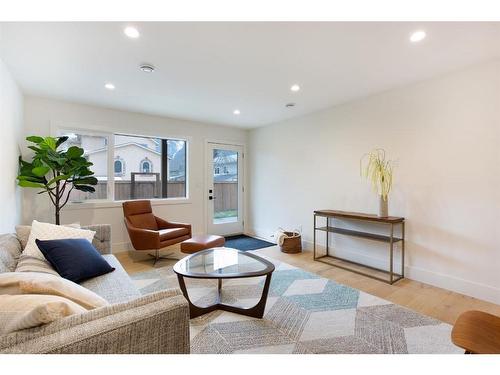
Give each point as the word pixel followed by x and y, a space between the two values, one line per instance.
pixel 113 204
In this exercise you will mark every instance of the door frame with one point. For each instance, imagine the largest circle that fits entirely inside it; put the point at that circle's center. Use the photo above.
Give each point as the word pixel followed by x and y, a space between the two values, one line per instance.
pixel 207 142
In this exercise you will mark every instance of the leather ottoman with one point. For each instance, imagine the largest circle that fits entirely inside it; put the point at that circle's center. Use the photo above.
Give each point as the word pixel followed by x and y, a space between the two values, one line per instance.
pixel 202 242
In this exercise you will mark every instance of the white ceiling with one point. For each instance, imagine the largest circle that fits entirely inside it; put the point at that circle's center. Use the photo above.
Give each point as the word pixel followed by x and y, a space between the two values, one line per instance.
pixel 206 70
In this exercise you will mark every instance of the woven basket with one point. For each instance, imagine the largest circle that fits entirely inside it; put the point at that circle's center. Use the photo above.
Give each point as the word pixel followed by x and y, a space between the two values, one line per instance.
pixel 292 244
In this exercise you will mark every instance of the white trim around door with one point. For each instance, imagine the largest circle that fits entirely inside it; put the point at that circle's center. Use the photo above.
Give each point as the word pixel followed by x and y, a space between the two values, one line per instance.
pixel 224 188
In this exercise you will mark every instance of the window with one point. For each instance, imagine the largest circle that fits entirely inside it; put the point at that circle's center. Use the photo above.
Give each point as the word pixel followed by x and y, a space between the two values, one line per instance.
pixel 174 152
pixel 118 167
pixel 146 166
pixel 160 167
pixel 95 149
pixel 141 167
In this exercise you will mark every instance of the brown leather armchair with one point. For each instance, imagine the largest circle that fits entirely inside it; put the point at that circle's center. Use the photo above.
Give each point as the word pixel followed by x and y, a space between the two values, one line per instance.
pixel 149 232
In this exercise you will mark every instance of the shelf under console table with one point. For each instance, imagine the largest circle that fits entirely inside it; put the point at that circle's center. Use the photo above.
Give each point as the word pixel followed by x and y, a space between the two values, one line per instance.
pixel 391 238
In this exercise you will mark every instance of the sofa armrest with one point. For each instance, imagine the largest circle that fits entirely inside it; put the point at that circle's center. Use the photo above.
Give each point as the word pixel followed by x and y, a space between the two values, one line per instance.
pixel 102 238
pixel 155 323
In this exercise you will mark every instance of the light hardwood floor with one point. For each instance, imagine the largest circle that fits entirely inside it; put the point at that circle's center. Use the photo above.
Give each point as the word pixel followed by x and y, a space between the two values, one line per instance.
pixel 429 300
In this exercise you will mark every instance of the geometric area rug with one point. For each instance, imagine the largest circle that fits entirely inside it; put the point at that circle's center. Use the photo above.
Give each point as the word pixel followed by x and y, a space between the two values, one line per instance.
pixel 304 314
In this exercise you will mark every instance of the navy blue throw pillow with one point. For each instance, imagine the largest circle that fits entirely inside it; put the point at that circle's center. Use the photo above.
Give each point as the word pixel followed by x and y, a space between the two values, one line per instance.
pixel 74 259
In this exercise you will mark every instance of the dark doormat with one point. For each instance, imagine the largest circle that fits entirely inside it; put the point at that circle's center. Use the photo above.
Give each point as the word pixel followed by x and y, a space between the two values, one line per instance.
pixel 245 243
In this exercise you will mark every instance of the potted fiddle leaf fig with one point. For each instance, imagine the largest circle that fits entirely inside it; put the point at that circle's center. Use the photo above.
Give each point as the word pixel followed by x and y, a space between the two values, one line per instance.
pixel 376 169
pixel 56 171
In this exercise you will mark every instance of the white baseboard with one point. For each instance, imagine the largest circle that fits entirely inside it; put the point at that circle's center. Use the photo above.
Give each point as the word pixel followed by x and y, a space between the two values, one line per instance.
pixel 467 287
pixel 255 235
pixel 120 247
pixel 455 284
pixel 263 234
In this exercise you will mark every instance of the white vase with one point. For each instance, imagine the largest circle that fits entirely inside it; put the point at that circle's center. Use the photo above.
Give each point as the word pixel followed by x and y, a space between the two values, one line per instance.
pixel 383 208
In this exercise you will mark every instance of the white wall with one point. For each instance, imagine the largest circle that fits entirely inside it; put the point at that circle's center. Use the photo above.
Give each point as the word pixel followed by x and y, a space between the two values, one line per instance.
pixel 41 112
pixel 445 134
pixel 11 115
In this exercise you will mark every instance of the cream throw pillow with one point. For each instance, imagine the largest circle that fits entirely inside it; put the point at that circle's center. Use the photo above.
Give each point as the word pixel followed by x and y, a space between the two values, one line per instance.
pixel 44 283
pixel 31 310
pixel 46 231
pixel 23 232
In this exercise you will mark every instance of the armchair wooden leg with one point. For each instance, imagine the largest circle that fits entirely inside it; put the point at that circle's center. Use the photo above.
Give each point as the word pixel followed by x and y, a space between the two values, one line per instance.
pixel 158 257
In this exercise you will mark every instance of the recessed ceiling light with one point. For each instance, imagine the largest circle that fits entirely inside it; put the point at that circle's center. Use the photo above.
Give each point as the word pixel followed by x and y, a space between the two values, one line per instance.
pixel 236 112
pixel 131 32
pixel 109 86
pixel 146 68
pixel 295 88
pixel 417 36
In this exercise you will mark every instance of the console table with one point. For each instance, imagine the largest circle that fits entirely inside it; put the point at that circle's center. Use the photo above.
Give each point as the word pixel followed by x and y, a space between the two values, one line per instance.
pixel 391 238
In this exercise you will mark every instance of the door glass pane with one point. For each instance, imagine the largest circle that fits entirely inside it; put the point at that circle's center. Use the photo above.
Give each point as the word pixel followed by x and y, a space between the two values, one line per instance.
pixel 225 175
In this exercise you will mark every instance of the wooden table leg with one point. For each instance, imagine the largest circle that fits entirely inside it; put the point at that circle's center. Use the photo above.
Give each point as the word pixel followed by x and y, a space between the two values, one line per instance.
pixel 255 312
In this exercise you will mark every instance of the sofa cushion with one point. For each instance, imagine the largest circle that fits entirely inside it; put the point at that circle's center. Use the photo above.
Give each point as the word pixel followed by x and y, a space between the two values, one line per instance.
pixel 74 259
pixel 10 251
pixel 47 231
pixel 23 234
pixel 114 287
pixel 42 283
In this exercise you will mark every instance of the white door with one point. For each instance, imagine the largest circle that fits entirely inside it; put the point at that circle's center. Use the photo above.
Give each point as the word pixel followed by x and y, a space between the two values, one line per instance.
pixel 224 193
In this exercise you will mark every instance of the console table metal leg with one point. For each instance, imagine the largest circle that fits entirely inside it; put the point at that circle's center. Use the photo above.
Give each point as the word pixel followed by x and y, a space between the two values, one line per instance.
pixel 391 244
pixel 403 249
pixel 314 239
pixel 327 235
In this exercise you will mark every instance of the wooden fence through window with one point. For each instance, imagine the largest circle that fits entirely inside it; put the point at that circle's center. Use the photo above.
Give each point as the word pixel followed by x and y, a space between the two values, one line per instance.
pixel 226 193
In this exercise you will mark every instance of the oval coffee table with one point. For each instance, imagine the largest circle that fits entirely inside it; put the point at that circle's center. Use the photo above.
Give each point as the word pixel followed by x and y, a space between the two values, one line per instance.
pixel 224 263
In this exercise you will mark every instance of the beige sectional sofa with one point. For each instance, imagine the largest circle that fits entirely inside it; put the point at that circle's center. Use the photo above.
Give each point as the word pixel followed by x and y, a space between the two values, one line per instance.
pixel 154 323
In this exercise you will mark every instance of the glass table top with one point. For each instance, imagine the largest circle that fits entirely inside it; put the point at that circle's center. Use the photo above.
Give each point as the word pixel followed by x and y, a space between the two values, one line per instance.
pixel 223 262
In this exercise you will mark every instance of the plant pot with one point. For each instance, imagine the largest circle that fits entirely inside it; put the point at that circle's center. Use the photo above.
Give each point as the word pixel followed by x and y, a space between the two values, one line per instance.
pixel 383 208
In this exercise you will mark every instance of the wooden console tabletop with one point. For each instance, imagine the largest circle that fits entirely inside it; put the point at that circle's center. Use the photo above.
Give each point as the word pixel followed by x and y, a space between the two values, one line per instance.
pixel 359 216
pixel 389 238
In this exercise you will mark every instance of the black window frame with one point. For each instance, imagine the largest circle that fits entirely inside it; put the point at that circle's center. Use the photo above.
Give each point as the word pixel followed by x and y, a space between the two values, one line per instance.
pixel 165 167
